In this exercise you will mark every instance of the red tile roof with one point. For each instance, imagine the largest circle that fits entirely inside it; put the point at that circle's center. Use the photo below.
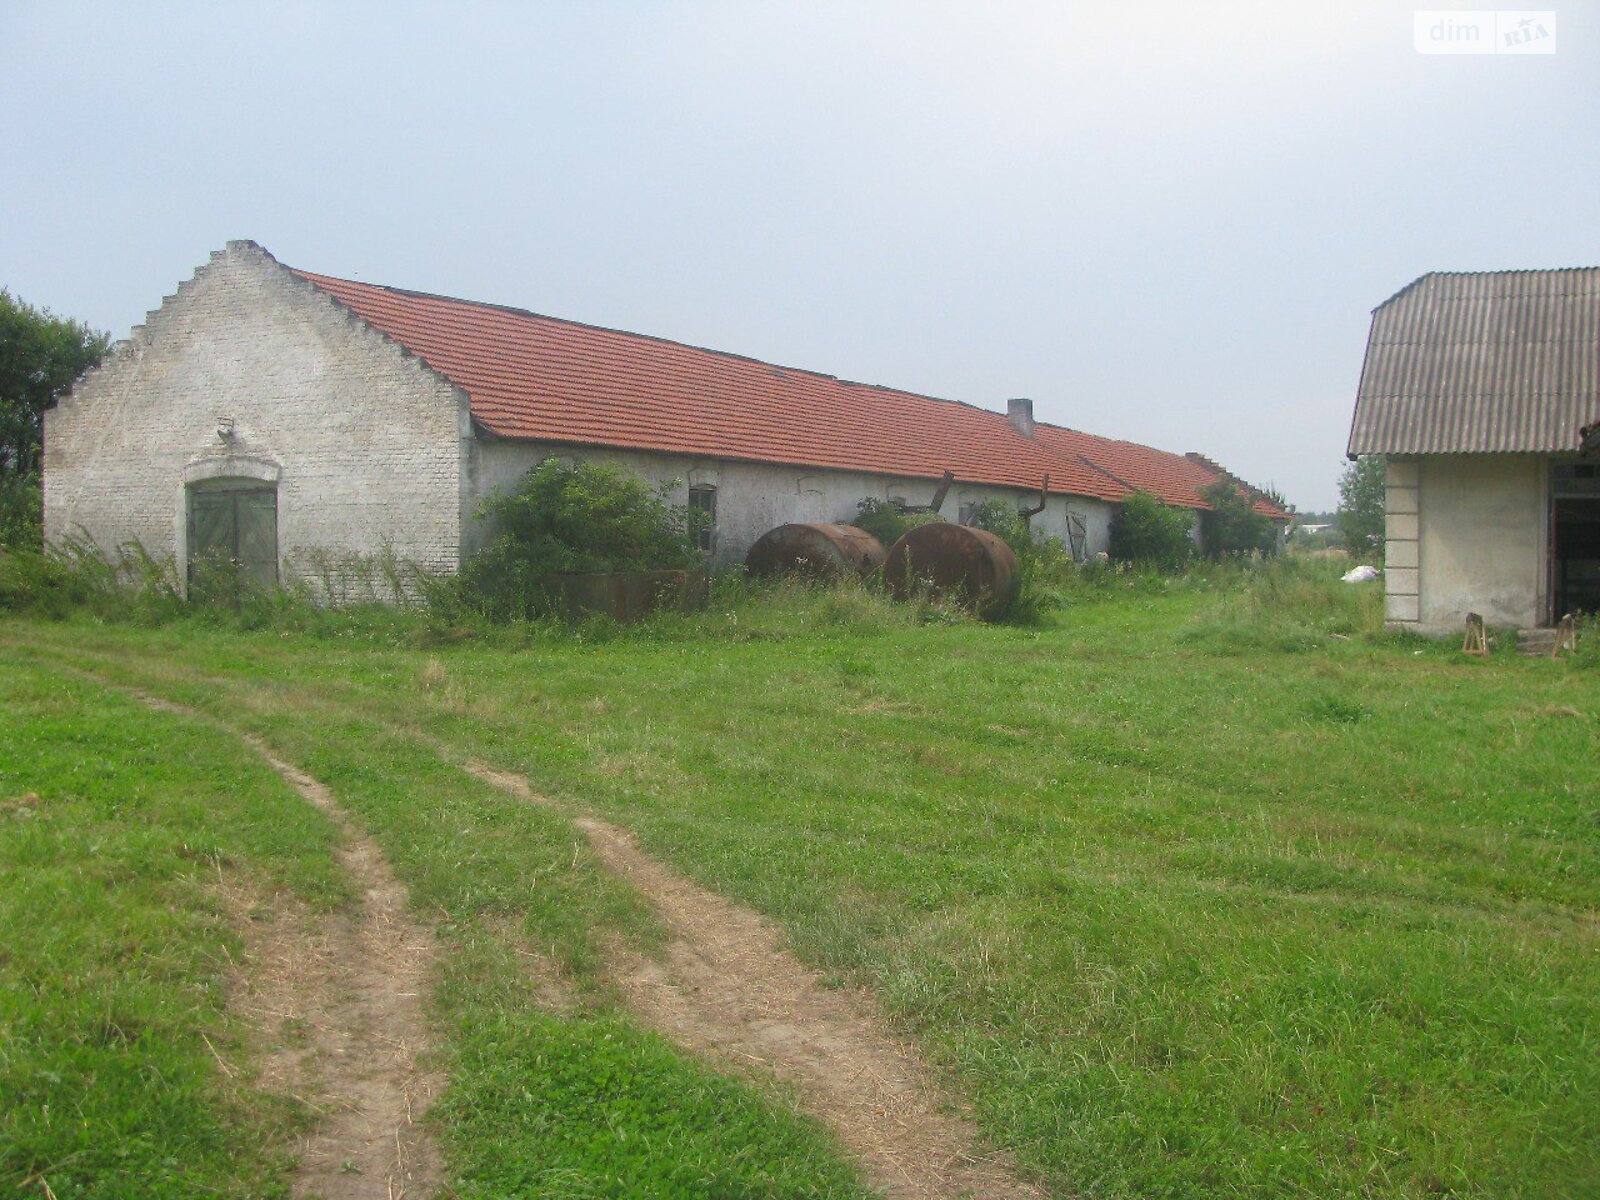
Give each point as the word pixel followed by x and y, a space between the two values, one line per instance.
pixel 1176 478
pixel 543 379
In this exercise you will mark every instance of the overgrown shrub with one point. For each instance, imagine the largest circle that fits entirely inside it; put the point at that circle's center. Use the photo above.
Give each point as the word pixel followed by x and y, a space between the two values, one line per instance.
pixel 21 511
pixel 887 521
pixel 570 517
pixel 1233 526
pixel 342 578
pixel 1148 533
pixel 1006 523
pixel 1044 563
pixel 76 575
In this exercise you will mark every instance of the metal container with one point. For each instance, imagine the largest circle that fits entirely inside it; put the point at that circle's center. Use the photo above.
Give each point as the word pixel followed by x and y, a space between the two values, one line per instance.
pixel 819 551
pixel 972 565
pixel 625 596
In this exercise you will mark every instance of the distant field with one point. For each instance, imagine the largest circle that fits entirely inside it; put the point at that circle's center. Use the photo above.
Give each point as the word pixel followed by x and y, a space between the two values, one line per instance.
pixel 1200 892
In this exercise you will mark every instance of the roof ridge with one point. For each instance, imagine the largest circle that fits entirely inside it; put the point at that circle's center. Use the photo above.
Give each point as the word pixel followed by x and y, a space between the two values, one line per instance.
pixel 514 310
pixel 645 391
pixel 1427 275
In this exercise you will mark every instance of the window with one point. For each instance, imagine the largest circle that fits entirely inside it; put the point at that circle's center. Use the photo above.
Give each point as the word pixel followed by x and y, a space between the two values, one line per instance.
pixel 703 498
pixel 235 521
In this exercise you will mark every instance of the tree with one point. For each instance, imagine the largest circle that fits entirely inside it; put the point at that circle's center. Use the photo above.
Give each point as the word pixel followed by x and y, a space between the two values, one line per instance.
pixel 1147 532
pixel 41 356
pixel 1233 526
pixel 1361 505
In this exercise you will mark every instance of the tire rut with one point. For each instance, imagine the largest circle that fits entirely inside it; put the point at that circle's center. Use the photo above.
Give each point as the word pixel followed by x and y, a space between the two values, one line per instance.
pixel 346 991
pixel 728 986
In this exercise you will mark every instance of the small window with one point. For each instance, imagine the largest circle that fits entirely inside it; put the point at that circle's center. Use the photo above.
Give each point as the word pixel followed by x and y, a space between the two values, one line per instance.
pixel 703 498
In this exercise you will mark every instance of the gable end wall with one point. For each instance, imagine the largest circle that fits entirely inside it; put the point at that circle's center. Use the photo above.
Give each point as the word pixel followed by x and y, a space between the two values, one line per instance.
pixel 366 443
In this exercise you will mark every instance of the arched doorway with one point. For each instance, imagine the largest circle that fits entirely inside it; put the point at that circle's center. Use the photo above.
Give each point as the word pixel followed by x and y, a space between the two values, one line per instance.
pixel 234 521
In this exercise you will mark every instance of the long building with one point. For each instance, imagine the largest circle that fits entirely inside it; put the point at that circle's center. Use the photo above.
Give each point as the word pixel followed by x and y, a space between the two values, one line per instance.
pixel 271 412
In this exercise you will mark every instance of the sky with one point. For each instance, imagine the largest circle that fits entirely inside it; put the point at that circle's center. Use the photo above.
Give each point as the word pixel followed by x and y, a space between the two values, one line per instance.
pixel 1162 222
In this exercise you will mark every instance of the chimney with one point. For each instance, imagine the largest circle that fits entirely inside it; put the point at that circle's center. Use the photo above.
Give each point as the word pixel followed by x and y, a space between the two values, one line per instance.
pixel 1019 411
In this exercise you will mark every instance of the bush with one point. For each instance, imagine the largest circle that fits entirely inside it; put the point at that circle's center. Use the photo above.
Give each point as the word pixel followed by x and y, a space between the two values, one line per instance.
pixel 58 580
pixel 1006 523
pixel 1233 526
pixel 1148 533
pixel 887 521
pixel 21 512
pixel 569 517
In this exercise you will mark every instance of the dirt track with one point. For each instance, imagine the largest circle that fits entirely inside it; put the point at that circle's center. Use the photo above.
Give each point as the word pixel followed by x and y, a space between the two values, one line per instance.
pixel 337 1001
pixel 727 986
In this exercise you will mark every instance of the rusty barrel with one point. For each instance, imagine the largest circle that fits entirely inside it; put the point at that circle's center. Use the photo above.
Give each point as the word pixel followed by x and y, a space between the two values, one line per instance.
pixel 820 551
pixel 955 560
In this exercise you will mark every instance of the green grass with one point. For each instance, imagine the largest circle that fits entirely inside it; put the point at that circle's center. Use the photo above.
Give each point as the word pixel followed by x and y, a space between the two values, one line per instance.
pixel 578 1103
pixel 1196 887
pixel 117 826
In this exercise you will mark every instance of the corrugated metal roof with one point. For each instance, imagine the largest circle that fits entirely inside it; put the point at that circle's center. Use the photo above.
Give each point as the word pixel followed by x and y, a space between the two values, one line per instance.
pixel 1487 362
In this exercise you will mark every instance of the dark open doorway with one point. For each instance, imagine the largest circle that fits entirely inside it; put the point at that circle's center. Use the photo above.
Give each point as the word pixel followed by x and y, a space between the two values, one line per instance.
pixel 1575 555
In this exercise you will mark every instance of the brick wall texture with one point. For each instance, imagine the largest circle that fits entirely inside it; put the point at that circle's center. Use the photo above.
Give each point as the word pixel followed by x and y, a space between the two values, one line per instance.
pixel 366 444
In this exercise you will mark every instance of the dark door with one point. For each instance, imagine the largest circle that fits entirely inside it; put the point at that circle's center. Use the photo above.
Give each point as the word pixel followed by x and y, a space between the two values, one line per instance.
pixel 1577 556
pixel 235 522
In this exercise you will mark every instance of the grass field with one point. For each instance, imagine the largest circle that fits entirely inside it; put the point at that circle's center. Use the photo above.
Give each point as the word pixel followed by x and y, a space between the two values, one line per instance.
pixel 1196 890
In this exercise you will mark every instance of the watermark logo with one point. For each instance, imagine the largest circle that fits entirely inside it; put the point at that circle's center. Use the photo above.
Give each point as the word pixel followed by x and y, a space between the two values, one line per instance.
pixel 1480 31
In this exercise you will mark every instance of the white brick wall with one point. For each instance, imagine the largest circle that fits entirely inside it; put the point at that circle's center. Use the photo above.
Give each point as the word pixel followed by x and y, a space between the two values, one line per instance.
pixel 755 497
pixel 367 445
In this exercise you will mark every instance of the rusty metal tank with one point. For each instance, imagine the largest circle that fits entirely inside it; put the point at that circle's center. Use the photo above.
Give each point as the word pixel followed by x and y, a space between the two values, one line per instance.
pixel 820 551
pixel 972 565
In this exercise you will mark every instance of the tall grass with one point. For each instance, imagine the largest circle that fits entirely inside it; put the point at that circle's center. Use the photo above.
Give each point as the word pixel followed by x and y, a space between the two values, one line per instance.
pixel 1281 603
pixel 1288 604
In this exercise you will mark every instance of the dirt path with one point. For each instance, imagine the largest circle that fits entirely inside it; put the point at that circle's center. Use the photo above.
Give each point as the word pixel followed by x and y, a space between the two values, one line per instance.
pixel 339 1002
pixel 728 986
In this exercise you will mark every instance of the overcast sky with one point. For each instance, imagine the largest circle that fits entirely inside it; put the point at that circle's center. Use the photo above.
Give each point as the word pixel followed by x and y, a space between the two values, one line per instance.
pixel 1163 222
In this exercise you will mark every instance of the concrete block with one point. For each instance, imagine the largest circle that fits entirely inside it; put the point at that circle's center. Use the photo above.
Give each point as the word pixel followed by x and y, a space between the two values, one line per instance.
pixel 1400 527
pixel 1400 499
pixel 1401 472
pixel 1401 608
pixel 248 371
pixel 1400 581
pixel 1400 554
